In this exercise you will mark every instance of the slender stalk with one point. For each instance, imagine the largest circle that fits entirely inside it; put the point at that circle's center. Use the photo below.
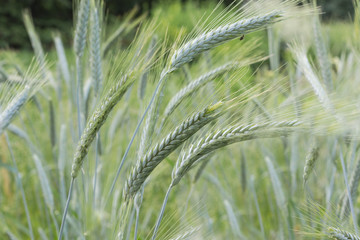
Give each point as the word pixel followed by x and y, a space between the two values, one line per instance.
pixel 348 193
pixel 18 179
pixel 157 225
pixel 63 221
pixel 162 78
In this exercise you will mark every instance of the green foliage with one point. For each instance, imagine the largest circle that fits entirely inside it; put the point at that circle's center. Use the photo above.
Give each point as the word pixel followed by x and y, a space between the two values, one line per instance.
pixel 247 186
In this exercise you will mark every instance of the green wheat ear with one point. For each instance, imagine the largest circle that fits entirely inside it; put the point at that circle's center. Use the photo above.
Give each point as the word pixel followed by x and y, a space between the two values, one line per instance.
pixel 97 119
pixel 338 234
pixel 167 145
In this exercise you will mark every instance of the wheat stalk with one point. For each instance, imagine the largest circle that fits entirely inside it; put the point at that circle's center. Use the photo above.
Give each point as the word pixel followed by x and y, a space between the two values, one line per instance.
pixel 220 35
pixel 354 184
pixel 222 138
pixel 161 150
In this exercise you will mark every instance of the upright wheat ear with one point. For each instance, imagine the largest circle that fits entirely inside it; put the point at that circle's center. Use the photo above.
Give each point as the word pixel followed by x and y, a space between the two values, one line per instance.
pixel 81 27
pixel 97 119
pixel 161 150
pixel 220 35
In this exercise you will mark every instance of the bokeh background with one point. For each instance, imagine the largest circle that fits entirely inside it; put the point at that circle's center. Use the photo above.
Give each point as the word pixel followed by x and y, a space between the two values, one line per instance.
pixel 50 15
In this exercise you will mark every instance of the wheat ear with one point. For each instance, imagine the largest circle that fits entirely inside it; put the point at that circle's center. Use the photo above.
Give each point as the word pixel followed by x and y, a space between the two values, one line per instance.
pixel 222 138
pixel 220 35
pixel 338 234
pixel 95 53
pixel 161 150
pixel 10 111
pixel 311 158
pixel 194 86
pixel 97 119
pixel 322 55
pixel 81 27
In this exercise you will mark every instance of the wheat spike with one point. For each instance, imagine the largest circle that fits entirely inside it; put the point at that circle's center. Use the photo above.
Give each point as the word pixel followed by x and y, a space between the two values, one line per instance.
pixel 161 150
pixel 311 158
pixel 195 85
pixel 224 137
pixel 81 27
pixel 219 36
pixel 97 119
pixel 95 53
pixel 10 111
pixel 338 234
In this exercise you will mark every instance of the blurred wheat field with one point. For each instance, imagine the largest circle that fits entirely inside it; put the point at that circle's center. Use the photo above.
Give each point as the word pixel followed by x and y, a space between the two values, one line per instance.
pixel 197 122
